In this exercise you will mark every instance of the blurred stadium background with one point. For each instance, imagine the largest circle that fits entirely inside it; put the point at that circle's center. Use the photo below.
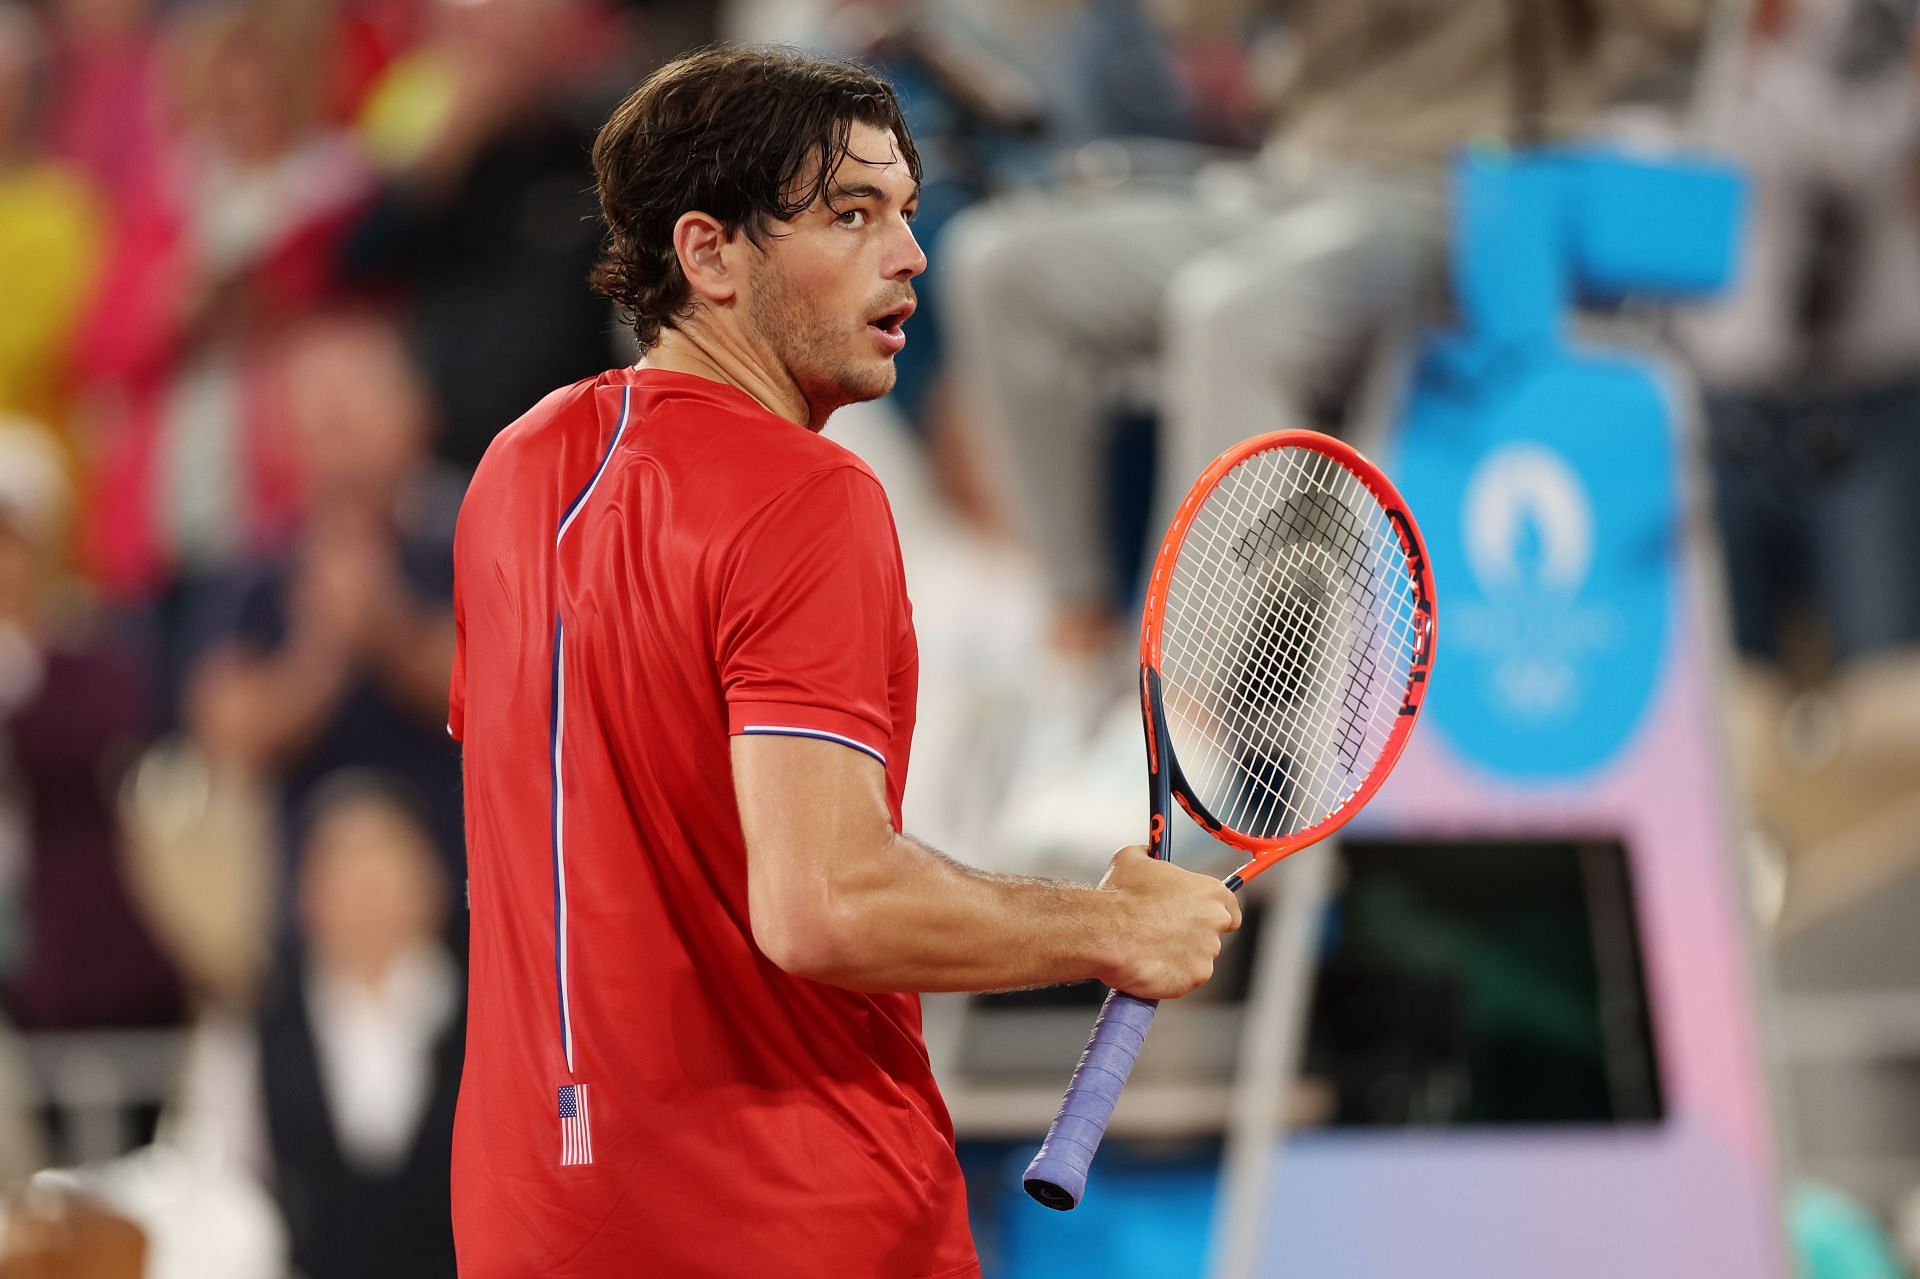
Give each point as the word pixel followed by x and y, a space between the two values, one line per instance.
pixel 273 272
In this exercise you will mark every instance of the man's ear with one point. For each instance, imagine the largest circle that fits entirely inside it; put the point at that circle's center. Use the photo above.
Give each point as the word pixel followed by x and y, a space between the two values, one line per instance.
pixel 709 257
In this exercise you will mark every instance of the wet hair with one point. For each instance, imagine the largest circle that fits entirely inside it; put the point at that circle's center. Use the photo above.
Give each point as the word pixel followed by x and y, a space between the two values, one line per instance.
pixel 749 135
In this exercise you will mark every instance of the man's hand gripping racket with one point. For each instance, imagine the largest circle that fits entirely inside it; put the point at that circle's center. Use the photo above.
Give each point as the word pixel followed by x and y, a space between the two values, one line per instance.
pixel 1284 651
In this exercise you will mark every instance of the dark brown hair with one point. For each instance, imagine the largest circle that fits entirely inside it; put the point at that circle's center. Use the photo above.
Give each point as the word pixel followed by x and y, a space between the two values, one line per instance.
pixel 748 135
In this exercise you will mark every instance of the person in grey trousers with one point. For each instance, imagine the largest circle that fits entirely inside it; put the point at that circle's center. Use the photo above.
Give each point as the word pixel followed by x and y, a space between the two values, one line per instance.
pixel 1258 286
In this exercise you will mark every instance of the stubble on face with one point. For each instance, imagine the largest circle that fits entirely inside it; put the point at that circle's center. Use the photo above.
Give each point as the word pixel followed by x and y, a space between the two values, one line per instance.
pixel 819 351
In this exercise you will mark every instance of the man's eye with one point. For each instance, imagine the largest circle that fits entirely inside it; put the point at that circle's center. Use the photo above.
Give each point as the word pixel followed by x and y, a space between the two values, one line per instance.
pixel 852 217
pixel 911 214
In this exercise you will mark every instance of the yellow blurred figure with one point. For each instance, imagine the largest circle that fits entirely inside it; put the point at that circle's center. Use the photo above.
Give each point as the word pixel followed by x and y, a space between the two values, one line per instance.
pixel 52 233
pixel 50 242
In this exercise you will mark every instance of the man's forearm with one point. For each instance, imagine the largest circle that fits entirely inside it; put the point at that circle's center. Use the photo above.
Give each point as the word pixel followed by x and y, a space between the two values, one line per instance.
pixel 836 895
pixel 928 923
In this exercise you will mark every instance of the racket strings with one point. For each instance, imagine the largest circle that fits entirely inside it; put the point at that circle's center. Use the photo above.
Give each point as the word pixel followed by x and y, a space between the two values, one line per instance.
pixel 1257 752
pixel 1278 669
pixel 1300 665
pixel 1279 680
pixel 1289 634
pixel 1309 775
pixel 1308 604
pixel 1254 776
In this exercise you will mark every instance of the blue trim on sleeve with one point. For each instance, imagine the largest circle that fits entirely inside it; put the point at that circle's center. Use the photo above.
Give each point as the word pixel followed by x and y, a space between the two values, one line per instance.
pixel 789 730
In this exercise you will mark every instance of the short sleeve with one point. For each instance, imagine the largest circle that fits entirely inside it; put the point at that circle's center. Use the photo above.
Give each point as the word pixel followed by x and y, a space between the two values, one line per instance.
pixel 809 615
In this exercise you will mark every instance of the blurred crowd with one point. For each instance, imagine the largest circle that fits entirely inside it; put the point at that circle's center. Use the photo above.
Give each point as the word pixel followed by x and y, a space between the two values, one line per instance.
pixel 273 273
pixel 273 276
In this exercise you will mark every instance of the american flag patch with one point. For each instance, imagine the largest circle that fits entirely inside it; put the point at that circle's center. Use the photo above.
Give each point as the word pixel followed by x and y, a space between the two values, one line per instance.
pixel 576 1131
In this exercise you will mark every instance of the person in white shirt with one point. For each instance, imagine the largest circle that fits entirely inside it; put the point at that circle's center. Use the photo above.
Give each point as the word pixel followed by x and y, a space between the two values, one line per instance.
pixel 338 1093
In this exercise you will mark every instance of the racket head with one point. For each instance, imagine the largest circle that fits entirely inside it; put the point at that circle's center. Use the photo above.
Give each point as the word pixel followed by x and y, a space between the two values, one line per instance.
pixel 1285 644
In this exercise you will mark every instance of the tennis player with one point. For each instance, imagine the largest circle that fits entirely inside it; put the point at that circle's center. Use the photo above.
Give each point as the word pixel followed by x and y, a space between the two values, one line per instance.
pixel 686 686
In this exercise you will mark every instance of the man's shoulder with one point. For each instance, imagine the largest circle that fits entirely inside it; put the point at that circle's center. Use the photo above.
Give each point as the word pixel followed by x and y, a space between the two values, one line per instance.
pixel 722 454
pixel 516 487
pixel 560 434
pixel 733 452
pixel 798 471
pixel 752 437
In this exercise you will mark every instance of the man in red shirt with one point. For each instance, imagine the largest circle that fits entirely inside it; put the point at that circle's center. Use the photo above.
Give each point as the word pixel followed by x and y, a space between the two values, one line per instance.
pixel 686 690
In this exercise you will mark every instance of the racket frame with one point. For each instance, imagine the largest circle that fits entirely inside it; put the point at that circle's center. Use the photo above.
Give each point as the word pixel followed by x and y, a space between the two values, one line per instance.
pixel 1057 1176
pixel 1163 765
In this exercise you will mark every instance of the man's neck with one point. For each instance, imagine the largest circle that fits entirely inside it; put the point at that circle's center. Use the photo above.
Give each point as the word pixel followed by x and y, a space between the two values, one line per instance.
pixel 703 351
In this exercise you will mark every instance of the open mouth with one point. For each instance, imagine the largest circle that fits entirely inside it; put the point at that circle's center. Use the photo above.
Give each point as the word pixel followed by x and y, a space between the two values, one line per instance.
pixel 889 322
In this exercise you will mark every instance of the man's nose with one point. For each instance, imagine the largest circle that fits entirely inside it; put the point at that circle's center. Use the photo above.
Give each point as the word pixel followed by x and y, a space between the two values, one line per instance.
pixel 908 259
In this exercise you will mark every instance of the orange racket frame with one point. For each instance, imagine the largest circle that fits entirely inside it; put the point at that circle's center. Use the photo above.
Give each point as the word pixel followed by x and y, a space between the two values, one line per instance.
pixel 1266 852
pixel 1057 1177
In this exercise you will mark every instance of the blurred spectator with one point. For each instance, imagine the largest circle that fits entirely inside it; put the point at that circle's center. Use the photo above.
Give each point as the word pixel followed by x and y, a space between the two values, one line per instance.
pixel 996 94
pixel 106 110
pixel 368 38
pixel 204 862
pixel 51 238
pixel 232 239
pixel 1260 287
pixel 340 1094
pixel 337 654
pixel 488 223
pixel 1812 366
pixel 73 711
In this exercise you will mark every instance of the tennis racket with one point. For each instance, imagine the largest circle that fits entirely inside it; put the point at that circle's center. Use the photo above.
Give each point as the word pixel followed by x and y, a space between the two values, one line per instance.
pixel 1284 652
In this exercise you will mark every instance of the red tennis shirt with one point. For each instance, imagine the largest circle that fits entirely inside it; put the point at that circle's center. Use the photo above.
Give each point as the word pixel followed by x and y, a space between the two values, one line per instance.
pixel 646 564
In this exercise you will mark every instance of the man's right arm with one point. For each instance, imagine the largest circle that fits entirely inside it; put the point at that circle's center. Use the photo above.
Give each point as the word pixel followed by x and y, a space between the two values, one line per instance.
pixel 836 895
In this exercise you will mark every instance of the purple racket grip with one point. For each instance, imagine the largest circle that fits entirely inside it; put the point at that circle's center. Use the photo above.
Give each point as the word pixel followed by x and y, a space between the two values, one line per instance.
pixel 1057 1177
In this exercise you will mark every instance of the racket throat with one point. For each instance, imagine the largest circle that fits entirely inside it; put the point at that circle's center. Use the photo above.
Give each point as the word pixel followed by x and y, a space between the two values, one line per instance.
pixel 1159 766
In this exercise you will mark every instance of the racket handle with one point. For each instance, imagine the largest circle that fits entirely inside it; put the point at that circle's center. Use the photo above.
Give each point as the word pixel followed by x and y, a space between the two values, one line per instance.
pixel 1057 1177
